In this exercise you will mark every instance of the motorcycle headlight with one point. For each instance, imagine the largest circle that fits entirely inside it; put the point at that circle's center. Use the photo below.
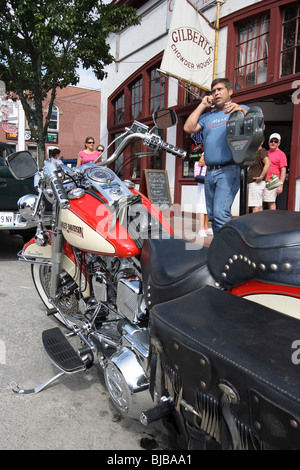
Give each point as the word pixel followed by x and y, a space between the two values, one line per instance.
pixel 26 205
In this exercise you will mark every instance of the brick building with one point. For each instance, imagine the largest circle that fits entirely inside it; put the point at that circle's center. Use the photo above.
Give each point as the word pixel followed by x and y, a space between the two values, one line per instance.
pixel 76 114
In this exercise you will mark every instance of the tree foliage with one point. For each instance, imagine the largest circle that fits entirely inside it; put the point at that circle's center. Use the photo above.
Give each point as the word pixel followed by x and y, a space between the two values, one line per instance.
pixel 42 44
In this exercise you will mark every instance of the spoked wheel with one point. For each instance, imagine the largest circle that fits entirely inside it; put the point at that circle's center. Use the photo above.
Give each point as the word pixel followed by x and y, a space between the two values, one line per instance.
pixel 68 304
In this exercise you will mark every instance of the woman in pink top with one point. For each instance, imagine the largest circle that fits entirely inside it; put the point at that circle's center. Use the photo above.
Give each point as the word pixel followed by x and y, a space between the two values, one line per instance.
pixel 88 154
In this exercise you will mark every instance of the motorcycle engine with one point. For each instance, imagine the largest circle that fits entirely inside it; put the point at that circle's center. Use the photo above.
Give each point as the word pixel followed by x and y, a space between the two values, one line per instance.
pixel 123 357
pixel 118 281
pixel 130 302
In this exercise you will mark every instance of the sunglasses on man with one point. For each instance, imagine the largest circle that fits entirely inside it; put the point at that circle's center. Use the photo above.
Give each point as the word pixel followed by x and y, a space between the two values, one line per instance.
pixel 275 141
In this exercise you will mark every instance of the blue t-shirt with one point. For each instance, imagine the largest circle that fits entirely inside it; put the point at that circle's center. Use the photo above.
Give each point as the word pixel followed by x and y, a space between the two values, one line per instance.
pixel 214 133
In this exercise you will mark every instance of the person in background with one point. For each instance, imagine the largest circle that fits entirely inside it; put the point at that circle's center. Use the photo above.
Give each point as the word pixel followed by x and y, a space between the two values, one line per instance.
pixel 56 157
pixel 256 179
pixel 88 154
pixel 204 229
pixel 100 149
pixel 222 180
pixel 278 167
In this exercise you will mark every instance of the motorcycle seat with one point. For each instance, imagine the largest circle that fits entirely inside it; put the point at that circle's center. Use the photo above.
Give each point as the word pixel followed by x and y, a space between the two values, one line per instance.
pixel 264 246
pixel 172 268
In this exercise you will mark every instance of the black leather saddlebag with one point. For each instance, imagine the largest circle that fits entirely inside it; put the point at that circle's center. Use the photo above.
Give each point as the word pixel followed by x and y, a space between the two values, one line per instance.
pixel 232 369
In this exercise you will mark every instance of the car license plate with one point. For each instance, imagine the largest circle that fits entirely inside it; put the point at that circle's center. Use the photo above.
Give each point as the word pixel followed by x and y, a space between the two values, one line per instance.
pixel 6 219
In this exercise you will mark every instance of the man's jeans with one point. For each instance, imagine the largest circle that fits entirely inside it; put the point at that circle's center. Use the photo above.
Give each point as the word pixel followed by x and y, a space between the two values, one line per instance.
pixel 221 186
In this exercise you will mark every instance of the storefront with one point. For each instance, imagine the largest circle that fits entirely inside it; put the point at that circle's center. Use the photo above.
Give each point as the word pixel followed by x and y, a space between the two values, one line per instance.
pixel 258 50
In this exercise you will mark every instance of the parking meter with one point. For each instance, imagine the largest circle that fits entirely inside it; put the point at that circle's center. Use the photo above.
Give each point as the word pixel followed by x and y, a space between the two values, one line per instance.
pixel 244 136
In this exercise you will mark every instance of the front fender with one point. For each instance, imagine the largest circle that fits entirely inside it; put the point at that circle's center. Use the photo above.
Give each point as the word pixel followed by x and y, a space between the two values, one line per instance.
pixel 35 254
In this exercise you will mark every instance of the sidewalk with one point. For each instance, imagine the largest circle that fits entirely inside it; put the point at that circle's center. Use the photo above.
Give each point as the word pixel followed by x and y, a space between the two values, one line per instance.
pixel 185 226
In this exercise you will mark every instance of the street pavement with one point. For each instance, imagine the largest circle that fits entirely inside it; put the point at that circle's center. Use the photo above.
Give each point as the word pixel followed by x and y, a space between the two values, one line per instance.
pixel 73 413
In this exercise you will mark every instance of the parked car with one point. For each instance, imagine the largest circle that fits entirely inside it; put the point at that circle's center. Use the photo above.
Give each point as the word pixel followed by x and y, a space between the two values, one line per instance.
pixel 11 190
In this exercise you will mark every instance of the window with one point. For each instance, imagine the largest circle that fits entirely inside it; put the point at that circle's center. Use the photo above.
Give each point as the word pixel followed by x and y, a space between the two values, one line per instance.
pixel 252 52
pixel 33 150
pixel 290 53
pixel 144 92
pixel 119 110
pixel 192 93
pixel 137 99
pixel 53 124
pixel 157 90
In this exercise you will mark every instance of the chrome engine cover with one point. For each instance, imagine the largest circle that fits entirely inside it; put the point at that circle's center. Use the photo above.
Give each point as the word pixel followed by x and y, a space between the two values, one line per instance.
pixel 127 383
pixel 130 299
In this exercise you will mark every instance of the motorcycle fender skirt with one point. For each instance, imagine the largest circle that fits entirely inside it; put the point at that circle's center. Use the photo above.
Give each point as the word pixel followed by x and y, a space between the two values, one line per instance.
pixel 34 253
pixel 232 362
pixel 32 250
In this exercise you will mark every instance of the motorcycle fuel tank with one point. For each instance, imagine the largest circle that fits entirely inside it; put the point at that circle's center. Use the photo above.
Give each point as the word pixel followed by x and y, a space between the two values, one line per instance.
pixel 92 226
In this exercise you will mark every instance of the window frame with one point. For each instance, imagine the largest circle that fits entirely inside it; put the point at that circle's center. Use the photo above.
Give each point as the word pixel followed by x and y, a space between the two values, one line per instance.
pixel 136 90
pixel 55 109
pixel 246 52
pixel 119 104
pixel 157 90
pixel 144 74
pixel 275 83
pixel 296 47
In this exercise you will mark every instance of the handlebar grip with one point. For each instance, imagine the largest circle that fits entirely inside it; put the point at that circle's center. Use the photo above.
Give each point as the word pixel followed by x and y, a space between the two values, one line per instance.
pixel 59 191
pixel 174 150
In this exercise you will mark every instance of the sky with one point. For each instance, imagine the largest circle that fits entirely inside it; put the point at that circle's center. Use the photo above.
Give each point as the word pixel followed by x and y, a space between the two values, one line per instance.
pixel 88 79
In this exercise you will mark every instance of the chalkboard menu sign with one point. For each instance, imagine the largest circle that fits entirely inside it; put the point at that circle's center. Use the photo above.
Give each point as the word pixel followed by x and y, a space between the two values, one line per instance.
pixel 155 185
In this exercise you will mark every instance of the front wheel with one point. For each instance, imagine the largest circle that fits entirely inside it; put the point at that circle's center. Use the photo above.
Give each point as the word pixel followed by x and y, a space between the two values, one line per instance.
pixel 67 304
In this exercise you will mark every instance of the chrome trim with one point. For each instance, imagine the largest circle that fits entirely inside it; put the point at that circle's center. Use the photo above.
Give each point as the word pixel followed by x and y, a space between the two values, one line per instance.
pixel 24 259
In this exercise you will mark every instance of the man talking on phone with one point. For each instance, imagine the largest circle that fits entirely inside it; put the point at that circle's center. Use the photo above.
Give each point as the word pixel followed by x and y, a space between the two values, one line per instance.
pixel 222 179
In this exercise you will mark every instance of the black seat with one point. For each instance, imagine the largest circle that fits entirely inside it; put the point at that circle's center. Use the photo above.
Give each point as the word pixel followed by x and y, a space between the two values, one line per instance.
pixel 172 268
pixel 264 246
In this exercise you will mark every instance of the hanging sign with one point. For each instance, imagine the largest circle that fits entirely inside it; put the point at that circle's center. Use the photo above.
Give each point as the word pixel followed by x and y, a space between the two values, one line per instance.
pixel 189 53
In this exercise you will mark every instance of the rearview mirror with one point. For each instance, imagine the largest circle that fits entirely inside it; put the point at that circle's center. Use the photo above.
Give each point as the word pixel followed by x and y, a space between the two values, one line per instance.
pixel 164 118
pixel 22 165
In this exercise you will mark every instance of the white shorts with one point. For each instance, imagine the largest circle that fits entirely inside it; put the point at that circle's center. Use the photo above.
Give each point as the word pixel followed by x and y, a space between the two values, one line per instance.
pixel 201 203
pixel 255 193
pixel 270 195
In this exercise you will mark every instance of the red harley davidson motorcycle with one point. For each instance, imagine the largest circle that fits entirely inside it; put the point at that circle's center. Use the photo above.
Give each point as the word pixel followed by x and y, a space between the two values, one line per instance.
pixel 208 339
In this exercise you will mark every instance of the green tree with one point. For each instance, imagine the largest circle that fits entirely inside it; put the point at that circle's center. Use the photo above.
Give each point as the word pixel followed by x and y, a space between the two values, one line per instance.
pixel 42 44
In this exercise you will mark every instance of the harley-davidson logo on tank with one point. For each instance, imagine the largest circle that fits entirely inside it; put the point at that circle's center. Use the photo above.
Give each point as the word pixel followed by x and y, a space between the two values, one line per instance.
pixel 75 229
pixel 81 235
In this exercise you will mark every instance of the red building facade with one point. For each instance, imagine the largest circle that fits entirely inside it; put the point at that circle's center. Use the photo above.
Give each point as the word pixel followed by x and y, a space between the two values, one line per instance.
pixel 76 115
pixel 259 50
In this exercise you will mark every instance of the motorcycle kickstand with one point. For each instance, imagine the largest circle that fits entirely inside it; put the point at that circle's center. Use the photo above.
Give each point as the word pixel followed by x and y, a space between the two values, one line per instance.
pixel 61 354
pixel 32 391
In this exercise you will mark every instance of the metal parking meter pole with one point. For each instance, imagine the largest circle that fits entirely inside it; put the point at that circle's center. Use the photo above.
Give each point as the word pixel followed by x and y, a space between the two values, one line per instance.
pixel 244 136
pixel 243 190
